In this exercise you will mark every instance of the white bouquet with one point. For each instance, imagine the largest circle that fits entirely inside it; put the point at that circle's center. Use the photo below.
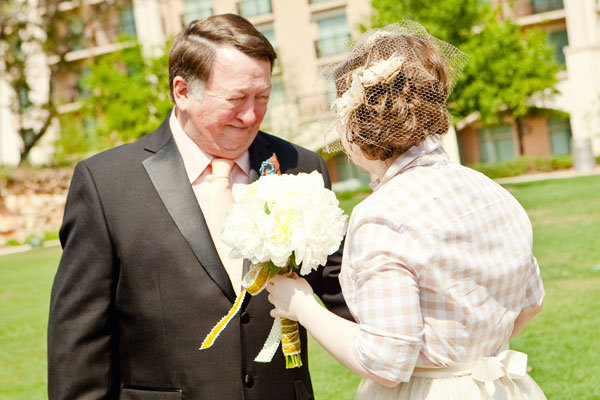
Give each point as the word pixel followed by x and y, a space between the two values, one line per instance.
pixel 280 222
pixel 278 216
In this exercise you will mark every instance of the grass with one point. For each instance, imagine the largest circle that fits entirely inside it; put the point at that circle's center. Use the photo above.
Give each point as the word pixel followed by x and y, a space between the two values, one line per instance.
pixel 25 282
pixel 562 342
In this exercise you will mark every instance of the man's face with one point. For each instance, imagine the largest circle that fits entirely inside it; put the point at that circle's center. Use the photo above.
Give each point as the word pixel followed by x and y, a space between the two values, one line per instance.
pixel 224 120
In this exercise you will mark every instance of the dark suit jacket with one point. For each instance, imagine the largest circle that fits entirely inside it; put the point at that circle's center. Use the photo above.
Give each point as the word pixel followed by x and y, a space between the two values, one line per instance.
pixel 140 284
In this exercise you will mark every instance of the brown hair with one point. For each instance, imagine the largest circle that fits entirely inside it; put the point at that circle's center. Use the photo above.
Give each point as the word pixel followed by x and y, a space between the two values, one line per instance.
pixel 193 50
pixel 400 113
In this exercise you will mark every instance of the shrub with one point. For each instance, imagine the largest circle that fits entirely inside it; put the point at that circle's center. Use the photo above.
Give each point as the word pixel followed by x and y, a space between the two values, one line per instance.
pixel 523 165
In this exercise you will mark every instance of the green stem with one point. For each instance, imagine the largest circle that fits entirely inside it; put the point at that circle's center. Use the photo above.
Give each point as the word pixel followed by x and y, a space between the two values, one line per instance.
pixel 293 361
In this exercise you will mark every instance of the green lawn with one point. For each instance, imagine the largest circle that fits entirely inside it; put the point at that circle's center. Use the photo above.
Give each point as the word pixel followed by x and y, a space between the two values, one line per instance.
pixel 563 342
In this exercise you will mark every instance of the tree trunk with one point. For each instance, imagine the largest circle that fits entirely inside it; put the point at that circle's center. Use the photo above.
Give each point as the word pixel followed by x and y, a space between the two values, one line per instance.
pixel 30 142
pixel 520 132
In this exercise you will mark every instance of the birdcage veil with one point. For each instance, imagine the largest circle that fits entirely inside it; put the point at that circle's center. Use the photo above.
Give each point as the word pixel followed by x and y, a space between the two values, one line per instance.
pixel 391 89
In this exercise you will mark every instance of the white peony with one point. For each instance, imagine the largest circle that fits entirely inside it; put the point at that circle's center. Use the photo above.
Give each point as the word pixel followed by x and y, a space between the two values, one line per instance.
pixel 278 216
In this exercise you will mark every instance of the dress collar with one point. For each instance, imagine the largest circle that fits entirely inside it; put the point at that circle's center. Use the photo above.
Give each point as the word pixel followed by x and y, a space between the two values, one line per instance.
pixel 428 152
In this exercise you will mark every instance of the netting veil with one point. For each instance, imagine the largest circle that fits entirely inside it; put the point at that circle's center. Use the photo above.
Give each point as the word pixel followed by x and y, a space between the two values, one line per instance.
pixel 391 89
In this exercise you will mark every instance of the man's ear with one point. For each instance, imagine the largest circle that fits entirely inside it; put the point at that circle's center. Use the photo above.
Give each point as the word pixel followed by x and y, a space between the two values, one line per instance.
pixel 181 92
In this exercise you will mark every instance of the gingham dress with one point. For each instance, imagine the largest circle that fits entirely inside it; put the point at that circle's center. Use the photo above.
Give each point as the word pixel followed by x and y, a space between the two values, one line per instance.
pixel 437 266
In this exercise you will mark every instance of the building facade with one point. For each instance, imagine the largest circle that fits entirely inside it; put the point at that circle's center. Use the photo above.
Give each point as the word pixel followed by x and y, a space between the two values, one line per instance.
pixel 310 35
pixel 573 27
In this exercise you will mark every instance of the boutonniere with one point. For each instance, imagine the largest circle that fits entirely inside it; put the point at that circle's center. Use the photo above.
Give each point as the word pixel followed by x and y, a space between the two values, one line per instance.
pixel 270 166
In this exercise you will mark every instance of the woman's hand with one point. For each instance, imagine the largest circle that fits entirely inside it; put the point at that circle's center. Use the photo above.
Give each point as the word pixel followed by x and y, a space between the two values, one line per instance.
pixel 289 296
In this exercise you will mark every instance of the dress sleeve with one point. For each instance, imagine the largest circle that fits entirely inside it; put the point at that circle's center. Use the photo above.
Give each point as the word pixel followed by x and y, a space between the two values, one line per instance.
pixel 534 294
pixel 386 292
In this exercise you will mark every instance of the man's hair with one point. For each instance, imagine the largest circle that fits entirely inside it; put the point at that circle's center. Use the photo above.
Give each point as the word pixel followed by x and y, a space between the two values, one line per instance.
pixel 193 50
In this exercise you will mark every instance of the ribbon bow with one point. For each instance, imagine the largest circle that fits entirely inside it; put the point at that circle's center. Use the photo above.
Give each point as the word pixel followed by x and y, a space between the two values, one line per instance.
pixel 509 363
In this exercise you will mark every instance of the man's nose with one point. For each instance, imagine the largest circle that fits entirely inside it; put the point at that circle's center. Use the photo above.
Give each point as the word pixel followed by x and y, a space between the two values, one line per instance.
pixel 248 113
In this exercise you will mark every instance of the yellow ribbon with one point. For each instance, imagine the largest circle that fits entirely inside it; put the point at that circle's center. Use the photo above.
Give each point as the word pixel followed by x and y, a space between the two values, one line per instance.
pixel 283 330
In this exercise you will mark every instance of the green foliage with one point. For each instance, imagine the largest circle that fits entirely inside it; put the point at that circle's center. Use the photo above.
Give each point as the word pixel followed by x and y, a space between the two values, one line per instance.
pixel 128 96
pixel 50 236
pixel 448 20
pixel 506 66
pixel 523 165
pixel 74 141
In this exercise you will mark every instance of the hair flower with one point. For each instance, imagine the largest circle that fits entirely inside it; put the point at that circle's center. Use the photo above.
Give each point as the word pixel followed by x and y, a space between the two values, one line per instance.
pixel 351 99
pixel 381 71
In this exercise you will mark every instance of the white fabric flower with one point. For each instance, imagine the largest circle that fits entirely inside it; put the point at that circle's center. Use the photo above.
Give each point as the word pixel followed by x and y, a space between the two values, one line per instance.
pixel 351 99
pixel 381 71
pixel 278 216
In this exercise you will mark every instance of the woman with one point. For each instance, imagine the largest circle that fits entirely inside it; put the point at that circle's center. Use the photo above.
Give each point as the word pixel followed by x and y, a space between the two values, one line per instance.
pixel 438 268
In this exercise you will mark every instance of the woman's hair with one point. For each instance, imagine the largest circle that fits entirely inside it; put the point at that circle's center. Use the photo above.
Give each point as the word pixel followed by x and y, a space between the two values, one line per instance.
pixel 193 50
pixel 398 111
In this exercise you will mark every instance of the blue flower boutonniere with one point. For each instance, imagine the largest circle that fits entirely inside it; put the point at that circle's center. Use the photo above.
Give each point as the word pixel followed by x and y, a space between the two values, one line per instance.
pixel 270 166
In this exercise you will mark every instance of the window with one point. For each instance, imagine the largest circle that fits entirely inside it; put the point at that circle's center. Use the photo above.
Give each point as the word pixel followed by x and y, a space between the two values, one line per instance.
pixel 348 171
pixel 276 98
pixel 270 35
pixel 330 88
pixel 495 144
pixel 560 136
pixel 251 8
pixel 334 36
pixel 197 9
pixel 540 6
pixel 128 22
pixel 559 40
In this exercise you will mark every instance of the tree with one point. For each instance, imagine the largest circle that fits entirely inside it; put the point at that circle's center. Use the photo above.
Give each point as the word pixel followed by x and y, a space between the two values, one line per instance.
pixel 41 32
pixel 128 95
pixel 506 67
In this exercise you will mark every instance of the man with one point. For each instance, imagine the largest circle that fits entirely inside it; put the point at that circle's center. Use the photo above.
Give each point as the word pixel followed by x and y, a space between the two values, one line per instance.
pixel 142 280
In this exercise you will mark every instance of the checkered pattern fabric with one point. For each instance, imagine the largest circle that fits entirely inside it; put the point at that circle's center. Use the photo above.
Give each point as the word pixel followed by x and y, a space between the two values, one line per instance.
pixel 437 266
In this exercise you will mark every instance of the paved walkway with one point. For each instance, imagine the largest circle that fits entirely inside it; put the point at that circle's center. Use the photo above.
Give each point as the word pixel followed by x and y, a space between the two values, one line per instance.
pixel 26 247
pixel 563 173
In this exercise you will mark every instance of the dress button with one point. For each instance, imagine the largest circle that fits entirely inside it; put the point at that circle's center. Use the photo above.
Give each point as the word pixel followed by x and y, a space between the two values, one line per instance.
pixel 248 381
pixel 245 317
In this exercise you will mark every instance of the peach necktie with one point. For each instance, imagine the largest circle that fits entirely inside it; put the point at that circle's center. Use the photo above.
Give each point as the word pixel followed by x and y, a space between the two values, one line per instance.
pixel 220 201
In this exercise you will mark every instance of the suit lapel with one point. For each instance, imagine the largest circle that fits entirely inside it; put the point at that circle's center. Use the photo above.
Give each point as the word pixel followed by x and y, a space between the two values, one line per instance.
pixel 167 173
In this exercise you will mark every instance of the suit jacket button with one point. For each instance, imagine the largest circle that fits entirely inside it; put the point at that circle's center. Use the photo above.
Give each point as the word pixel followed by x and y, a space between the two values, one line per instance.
pixel 248 381
pixel 245 317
